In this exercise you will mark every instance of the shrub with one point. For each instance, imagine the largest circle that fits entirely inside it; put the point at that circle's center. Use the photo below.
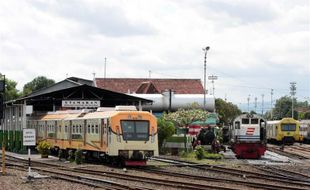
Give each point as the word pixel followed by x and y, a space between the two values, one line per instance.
pixel 61 154
pixel 71 156
pixel 44 148
pixel 200 152
pixel 78 156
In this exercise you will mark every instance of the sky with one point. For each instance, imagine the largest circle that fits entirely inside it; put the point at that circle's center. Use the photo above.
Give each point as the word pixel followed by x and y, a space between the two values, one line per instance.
pixel 255 46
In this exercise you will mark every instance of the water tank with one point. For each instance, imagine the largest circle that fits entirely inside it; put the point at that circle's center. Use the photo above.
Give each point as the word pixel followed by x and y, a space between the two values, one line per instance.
pixel 161 101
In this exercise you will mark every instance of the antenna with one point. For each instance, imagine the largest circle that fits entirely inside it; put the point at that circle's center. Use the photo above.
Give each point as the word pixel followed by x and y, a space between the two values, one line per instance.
pixel 212 78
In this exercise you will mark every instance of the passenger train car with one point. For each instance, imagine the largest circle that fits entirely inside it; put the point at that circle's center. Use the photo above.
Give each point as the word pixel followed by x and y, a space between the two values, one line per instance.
pixel 284 131
pixel 248 136
pixel 122 134
pixel 304 130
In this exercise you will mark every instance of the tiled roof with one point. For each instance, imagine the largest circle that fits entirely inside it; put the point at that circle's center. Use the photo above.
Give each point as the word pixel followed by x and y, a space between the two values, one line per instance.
pixel 149 86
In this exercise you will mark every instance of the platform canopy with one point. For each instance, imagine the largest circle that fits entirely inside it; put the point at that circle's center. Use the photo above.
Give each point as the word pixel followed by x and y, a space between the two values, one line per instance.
pixel 50 98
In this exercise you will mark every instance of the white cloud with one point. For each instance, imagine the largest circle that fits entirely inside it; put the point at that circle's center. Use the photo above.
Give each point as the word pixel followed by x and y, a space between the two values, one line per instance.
pixel 255 45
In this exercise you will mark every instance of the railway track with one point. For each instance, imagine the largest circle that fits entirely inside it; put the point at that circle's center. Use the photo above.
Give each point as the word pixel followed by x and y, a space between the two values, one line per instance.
pixel 60 171
pixel 305 182
pixel 286 153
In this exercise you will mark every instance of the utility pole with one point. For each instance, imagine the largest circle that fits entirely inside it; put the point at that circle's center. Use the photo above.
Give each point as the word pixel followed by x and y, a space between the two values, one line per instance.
pixel 150 73
pixel 255 103
pixel 204 76
pixel 249 103
pixel 293 92
pixel 263 104
pixel 212 78
pixel 271 107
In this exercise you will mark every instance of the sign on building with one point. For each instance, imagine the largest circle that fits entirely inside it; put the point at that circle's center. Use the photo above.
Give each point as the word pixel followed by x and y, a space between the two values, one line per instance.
pixel 81 103
pixel 29 137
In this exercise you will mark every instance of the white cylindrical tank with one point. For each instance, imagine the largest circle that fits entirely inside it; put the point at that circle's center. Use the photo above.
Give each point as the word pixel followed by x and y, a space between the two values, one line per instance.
pixel 161 101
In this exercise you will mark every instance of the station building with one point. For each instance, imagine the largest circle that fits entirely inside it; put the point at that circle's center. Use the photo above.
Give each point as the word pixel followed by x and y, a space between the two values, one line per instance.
pixel 156 95
pixel 71 93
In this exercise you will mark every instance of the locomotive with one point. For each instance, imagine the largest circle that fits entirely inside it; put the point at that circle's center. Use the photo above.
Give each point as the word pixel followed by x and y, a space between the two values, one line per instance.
pixel 248 136
pixel 118 135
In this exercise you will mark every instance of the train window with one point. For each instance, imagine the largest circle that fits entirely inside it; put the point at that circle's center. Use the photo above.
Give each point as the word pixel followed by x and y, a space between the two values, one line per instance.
pixel 92 129
pixel 135 130
pixel 80 128
pixel 245 121
pixel 288 127
pixel 88 129
pixel 59 128
pixel 66 129
pixel 254 121
pixel 97 129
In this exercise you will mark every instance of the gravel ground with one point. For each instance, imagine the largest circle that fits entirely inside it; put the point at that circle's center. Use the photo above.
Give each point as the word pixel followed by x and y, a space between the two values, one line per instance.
pixel 13 181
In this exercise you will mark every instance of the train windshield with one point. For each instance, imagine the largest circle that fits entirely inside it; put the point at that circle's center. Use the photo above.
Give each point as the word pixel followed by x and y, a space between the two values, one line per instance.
pixel 135 130
pixel 288 127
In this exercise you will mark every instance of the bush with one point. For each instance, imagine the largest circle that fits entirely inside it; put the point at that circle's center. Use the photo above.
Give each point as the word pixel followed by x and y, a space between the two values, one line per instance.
pixel 61 154
pixel 78 156
pixel 71 156
pixel 200 152
pixel 44 148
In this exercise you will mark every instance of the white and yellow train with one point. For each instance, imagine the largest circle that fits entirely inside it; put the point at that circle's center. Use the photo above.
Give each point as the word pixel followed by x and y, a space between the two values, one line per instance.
pixel 284 131
pixel 122 134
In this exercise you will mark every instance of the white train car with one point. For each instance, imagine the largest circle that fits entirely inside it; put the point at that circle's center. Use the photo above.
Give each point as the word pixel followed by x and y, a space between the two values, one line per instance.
pixel 304 130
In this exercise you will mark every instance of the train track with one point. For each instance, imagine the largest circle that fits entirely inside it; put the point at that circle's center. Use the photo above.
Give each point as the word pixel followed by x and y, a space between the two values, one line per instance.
pixel 245 174
pixel 60 171
pixel 63 173
pixel 286 153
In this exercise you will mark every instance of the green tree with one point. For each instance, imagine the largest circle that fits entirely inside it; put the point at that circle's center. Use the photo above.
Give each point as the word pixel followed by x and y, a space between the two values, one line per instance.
pixel 283 108
pixel 226 110
pixel 307 115
pixel 183 117
pixel 36 84
pixel 11 93
pixel 165 130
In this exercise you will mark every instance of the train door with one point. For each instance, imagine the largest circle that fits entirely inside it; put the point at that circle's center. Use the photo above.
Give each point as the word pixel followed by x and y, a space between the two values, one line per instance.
pixel 262 132
pixel 85 131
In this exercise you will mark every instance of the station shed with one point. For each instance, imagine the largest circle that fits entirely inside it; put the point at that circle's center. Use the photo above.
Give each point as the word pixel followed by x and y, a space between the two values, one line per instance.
pixel 71 93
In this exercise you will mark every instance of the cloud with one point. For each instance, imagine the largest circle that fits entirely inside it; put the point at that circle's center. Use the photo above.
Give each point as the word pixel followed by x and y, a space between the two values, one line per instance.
pixel 97 17
pixel 260 44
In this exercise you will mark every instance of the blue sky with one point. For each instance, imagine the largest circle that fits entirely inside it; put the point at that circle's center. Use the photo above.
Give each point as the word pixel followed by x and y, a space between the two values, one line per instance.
pixel 255 45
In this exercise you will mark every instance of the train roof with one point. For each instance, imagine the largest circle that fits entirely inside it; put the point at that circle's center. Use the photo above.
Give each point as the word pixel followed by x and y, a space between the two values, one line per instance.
pixel 247 115
pixel 282 120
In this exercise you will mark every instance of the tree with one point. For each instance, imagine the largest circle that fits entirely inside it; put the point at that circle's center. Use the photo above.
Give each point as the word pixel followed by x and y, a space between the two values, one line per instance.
pixel 226 110
pixel 283 108
pixel 165 130
pixel 183 117
pixel 11 93
pixel 36 84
